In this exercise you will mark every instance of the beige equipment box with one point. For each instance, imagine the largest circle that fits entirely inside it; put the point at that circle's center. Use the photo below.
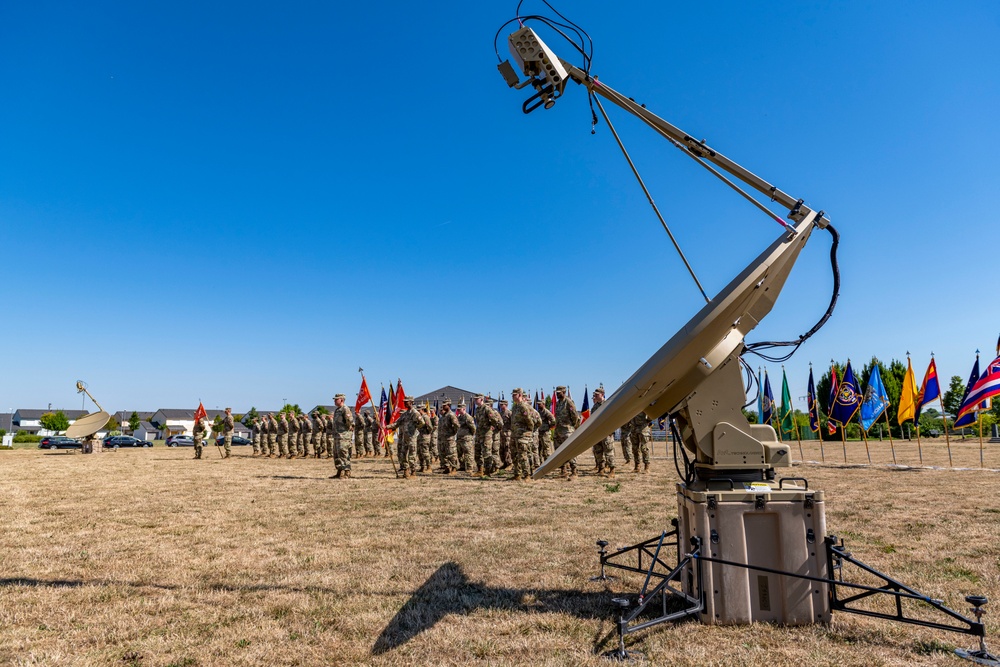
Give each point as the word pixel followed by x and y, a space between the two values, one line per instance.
pixel 757 524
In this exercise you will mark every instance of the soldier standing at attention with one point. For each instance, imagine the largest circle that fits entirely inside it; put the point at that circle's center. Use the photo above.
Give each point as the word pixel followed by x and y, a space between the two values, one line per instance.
pixel 605 448
pixel 228 426
pixel 522 428
pixel 642 435
pixel 466 438
pixel 435 453
pixel 447 430
pixel 359 437
pixel 505 458
pixel 487 423
pixel 293 435
pixel 627 440
pixel 330 432
pixel 272 436
pixel 407 438
pixel 424 430
pixel 199 436
pixel 305 434
pixel 343 425
pixel 567 419
pixel 545 433
pixel 282 435
pixel 317 434
pixel 255 436
pixel 536 420
pixel 366 430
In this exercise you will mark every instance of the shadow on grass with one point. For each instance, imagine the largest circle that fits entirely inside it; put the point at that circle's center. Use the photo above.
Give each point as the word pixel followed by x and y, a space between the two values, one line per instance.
pixel 448 591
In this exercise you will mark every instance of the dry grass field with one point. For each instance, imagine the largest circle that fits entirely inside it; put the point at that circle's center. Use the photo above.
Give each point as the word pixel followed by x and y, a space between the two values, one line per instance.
pixel 147 557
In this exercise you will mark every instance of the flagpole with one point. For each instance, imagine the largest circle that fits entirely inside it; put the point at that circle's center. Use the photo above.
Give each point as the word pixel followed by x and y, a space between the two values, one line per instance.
pixel 980 416
pixel 819 433
pixel 796 424
pixel 864 434
pixel 888 425
pixel 944 420
pixel 920 451
pixel 843 439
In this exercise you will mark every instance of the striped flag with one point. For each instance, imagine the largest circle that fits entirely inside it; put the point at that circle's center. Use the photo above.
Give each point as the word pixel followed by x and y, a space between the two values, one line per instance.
pixel 929 390
pixel 382 403
pixel 585 412
pixel 831 426
pixel 986 387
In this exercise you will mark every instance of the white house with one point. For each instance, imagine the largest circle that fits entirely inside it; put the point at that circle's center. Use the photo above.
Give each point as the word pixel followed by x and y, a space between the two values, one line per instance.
pixel 30 420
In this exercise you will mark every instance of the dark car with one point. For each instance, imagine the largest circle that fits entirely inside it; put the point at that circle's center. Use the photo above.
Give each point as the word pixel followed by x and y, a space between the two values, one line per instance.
pixel 58 442
pixel 237 440
pixel 180 441
pixel 116 441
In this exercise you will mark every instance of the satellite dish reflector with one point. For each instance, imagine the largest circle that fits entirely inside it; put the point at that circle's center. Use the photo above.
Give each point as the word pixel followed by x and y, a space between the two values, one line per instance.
pixel 88 424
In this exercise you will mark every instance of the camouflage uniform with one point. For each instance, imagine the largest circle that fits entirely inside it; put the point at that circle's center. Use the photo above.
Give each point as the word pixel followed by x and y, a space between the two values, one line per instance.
pixel 343 425
pixel 447 430
pixel 359 436
pixel 605 449
pixel 435 453
pixel 536 419
pixel 373 428
pixel 488 422
pixel 330 431
pixel 466 440
pixel 228 426
pixel 305 434
pixel 366 429
pixel 199 437
pixel 293 435
pixel 318 435
pixel 627 440
pixel 282 434
pixel 424 430
pixel 567 419
pixel 545 433
pixel 642 435
pixel 406 426
pixel 505 456
pixel 272 435
pixel 255 429
pixel 522 426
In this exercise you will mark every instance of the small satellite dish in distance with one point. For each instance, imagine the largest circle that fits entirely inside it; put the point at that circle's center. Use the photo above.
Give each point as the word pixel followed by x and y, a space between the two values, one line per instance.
pixel 88 424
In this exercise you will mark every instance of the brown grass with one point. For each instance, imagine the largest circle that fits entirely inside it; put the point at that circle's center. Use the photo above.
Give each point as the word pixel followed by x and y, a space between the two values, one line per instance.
pixel 149 558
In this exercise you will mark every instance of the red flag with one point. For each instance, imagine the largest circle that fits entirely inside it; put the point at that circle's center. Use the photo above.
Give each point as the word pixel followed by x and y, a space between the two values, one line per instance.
pixel 400 407
pixel 363 396
pixel 553 401
pixel 200 412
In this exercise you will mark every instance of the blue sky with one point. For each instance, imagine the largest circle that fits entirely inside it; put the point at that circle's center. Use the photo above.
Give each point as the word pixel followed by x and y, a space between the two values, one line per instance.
pixel 243 203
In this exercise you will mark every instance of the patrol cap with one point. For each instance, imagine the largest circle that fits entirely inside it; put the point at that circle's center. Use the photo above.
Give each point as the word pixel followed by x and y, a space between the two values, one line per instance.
pixel 599 390
pixel 407 399
pixel 561 388
pixel 340 396
pixel 503 401
pixel 516 391
pixel 477 397
pixel 446 401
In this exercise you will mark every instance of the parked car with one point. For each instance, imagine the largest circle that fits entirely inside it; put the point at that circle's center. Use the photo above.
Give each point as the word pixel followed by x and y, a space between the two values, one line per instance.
pixel 237 440
pixel 180 441
pixel 116 441
pixel 58 442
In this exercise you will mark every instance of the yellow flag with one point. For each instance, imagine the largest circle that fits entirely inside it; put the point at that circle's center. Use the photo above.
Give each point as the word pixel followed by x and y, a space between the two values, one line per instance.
pixel 907 397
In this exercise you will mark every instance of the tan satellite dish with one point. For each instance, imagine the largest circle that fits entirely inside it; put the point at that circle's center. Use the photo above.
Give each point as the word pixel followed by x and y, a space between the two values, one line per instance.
pixel 88 424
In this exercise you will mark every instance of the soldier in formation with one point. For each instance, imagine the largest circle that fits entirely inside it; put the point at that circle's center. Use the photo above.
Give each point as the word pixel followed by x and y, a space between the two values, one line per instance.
pixel 465 438
pixel 642 436
pixel 523 423
pixel 406 427
pixel 488 425
pixel 545 433
pixel 626 433
pixel 567 421
pixel 199 436
pixel 605 449
pixel 343 427
pixel 447 431
pixel 424 431
pixel 505 458
pixel 228 426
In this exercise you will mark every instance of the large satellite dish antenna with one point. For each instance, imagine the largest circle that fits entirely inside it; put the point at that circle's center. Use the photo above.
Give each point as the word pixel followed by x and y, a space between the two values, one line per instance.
pixel 88 424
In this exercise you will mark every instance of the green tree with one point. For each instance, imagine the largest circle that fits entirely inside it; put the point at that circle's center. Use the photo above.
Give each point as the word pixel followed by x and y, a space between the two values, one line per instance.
pixel 217 425
pixel 291 408
pixel 953 397
pixel 133 421
pixel 322 410
pixel 55 421
pixel 112 427
pixel 250 417
pixel 751 415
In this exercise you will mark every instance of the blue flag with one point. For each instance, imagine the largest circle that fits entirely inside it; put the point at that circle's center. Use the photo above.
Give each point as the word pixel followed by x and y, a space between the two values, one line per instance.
pixel 760 396
pixel 767 411
pixel 813 405
pixel 876 400
pixel 969 417
pixel 848 399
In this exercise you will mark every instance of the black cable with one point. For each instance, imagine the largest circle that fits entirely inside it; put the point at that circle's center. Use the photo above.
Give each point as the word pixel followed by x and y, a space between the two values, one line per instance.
pixel 755 348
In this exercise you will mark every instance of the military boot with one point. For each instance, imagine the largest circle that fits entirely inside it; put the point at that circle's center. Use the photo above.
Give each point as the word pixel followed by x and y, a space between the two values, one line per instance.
pixel 636 467
pixel 645 470
pixel 610 473
pixel 340 473
pixel 347 474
